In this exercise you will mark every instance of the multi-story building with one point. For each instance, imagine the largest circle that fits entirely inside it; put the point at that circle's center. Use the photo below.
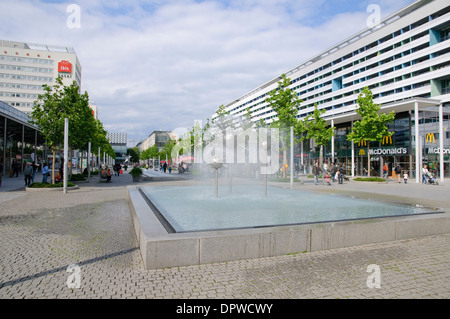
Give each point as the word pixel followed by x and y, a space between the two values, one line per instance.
pixel 158 138
pixel 25 67
pixel 20 141
pixel 118 141
pixel 405 62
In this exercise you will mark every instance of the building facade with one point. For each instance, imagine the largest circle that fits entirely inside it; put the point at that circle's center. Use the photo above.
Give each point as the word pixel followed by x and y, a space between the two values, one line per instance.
pixel 158 138
pixel 25 67
pixel 118 141
pixel 19 141
pixel 405 62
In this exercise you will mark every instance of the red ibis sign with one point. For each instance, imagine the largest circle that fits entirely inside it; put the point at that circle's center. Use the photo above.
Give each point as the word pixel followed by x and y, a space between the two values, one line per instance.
pixel 64 67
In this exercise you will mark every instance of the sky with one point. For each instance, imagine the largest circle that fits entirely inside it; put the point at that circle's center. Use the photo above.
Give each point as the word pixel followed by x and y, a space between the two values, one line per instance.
pixel 163 64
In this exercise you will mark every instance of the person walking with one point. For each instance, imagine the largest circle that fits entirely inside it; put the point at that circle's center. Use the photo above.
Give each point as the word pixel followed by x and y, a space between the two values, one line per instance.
pixel 340 173
pixel 45 172
pixel 424 174
pixel 316 171
pixel 398 172
pixel 28 173
pixel 15 168
pixel 385 170
pixel 118 168
pixel 34 166
pixel 333 170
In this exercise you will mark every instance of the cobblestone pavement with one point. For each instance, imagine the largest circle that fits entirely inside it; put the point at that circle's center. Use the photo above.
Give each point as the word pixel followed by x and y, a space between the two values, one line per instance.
pixel 42 233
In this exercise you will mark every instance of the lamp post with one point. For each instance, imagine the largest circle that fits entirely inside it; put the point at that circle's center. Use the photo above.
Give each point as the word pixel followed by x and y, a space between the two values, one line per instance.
pixel 66 153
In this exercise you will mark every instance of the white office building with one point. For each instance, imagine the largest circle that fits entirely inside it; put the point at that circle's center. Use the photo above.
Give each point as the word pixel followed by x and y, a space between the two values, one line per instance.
pixel 405 62
pixel 25 67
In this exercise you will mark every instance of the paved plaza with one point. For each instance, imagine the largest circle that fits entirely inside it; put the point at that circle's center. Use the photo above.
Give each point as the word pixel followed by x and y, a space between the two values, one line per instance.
pixel 81 245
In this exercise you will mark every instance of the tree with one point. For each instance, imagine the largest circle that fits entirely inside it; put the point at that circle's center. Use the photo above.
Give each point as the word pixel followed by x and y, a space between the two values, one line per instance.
pixel 285 102
pixel 134 153
pixel 60 102
pixel 82 124
pixel 373 126
pixel 316 128
pixel 150 152
pixel 48 115
pixel 166 151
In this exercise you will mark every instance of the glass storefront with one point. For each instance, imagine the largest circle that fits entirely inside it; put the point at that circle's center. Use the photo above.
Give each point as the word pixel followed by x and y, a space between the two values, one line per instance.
pixel 399 149
pixel 19 141
pixel 429 138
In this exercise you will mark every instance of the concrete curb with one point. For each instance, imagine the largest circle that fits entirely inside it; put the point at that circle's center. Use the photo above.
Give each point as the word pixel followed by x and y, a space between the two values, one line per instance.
pixel 49 189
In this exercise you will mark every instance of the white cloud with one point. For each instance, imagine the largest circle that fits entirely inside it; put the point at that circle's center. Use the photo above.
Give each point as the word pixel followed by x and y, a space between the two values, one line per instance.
pixel 151 65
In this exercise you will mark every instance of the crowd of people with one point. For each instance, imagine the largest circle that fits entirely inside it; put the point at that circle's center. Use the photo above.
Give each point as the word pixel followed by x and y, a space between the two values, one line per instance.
pixel 329 173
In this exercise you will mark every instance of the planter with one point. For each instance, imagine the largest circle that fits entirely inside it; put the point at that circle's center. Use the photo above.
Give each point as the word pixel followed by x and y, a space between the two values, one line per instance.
pixel 136 172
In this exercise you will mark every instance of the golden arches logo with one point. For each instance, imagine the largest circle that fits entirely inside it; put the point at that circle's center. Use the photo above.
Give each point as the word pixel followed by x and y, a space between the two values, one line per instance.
pixel 431 138
pixel 362 152
pixel 387 139
pixel 362 143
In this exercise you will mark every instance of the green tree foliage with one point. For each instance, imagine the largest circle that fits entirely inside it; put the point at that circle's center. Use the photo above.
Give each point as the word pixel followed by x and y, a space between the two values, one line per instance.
pixel 372 126
pixel 150 152
pixel 59 102
pixel 166 151
pixel 285 102
pixel 48 114
pixel 316 128
pixel 134 154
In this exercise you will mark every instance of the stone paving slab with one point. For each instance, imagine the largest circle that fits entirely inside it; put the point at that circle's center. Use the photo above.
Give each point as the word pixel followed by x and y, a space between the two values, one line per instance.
pixel 43 233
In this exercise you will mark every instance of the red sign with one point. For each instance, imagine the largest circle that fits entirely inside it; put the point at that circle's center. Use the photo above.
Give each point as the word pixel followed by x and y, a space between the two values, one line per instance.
pixel 65 67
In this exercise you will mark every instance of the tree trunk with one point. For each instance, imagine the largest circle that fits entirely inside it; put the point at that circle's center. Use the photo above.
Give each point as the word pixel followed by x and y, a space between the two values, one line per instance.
pixel 321 156
pixel 53 166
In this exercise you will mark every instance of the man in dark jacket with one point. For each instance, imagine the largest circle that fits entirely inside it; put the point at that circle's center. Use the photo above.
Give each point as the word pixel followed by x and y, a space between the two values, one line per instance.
pixel 398 171
pixel 316 171
pixel 28 173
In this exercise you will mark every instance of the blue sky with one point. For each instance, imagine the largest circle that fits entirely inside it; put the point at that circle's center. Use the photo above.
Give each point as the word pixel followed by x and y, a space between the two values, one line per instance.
pixel 162 64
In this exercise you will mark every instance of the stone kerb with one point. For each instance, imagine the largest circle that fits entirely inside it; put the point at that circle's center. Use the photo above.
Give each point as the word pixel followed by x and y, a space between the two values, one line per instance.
pixel 49 189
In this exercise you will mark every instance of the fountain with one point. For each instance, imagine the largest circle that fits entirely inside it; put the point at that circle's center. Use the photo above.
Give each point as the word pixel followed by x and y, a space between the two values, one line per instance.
pixel 180 223
pixel 216 165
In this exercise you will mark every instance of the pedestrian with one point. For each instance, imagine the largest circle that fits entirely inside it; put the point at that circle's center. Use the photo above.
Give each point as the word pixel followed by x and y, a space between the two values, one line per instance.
pixel 165 167
pixel 340 173
pixel 108 176
pixel 316 172
pixel 334 170
pixel 385 170
pixel 34 166
pixel 27 173
pixel 424 174
pixel 398 172
pixel 326 176
pixel 15 168
pixel 45 172
pixel 405 177
pixel 325 168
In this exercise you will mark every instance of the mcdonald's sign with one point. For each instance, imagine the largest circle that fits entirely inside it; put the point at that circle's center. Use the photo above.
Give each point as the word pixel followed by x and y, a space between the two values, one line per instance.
pixel 362 152
pixel 430 138
pixel 387 139
pixel 362 142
